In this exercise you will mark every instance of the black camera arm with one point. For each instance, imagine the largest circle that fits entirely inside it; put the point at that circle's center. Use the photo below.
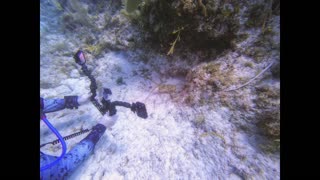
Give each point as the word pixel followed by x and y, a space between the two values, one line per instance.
pixel 110 106
pixel 107 105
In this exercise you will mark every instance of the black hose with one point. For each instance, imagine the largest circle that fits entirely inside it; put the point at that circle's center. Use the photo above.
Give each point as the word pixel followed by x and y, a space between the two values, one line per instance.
pixel 66 137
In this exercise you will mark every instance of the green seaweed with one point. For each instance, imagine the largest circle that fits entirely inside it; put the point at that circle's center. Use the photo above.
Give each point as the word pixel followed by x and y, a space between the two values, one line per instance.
pixel 215 134
pixel 131 5
pixel 57 5
pixel 203 8
pixel 175 41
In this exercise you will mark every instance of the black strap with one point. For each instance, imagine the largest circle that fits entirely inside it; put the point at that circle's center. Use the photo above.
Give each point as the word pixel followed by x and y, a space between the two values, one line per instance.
pixel 41 103
pixel 71 102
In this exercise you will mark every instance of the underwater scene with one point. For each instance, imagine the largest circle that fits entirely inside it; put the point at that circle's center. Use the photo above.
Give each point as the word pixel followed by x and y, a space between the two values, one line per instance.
pixel 159 89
